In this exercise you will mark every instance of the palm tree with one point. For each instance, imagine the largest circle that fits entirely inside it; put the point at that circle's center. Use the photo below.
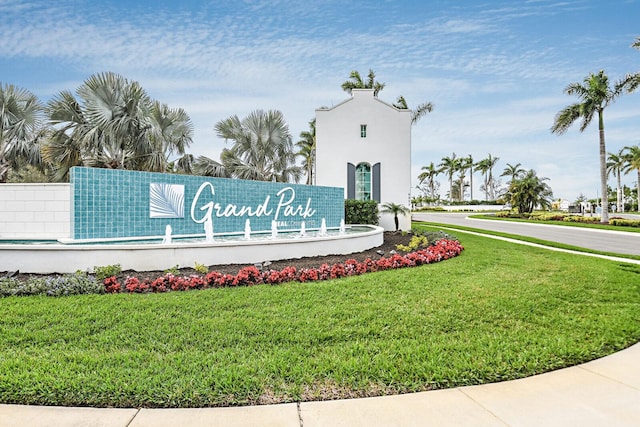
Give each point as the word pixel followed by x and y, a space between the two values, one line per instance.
pixel 528 191
pixel 468 164
pixel 204 166
pixel 513 171
pixel 307 150
pixel 463 166
pixel 450 166
pixel 395 209
pixel 420 111
pixel 635 78
pixel 595 94
pixel 21 119
pixel 615 165
pixel 114 124
pixel 632 158
pixel 429 175
pixel 170 133
pixel 355 82
pixel 262 148
pixel 485 167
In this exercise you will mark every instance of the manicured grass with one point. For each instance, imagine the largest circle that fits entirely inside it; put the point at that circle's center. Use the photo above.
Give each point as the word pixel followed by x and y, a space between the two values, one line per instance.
pixel 452 228
pixel 498 311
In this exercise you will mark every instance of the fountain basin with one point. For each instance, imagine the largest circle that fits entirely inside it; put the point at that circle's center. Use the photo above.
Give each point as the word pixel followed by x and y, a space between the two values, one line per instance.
pixel 45 258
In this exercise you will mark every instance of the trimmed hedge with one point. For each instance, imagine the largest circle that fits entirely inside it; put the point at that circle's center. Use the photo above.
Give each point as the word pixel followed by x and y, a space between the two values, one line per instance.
pixel 361 212
pixel 624 222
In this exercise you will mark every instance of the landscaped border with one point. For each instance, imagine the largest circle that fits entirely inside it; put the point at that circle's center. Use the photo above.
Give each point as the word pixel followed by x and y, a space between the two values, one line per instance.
pixel 249 276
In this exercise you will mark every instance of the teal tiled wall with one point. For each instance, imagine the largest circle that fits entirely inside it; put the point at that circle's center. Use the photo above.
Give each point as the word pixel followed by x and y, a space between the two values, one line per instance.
pixel 117 203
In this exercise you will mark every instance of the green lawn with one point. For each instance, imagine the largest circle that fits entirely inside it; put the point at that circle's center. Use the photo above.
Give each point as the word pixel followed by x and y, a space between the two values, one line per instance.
pixel 451 228
pixel 498 311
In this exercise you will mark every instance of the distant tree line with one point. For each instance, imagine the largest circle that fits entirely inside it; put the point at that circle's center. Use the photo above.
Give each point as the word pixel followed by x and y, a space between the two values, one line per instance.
pixel 525 190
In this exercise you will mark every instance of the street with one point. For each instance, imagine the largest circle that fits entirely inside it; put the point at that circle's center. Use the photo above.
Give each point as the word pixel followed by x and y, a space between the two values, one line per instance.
pixel 601 240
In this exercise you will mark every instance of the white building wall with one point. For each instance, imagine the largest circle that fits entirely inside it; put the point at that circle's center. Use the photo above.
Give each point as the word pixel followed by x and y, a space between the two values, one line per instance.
pixel 388 142
pixel 35 211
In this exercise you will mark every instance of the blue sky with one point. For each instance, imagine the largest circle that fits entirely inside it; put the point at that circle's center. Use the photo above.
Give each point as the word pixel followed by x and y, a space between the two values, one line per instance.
pixel 494 69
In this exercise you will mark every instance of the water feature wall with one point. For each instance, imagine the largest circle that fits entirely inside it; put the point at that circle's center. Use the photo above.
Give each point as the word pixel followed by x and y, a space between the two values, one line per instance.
pixel 34 211
pixel 118 204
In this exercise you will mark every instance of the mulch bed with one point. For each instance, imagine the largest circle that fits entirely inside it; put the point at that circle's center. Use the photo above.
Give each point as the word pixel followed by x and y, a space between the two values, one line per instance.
pixel 391 239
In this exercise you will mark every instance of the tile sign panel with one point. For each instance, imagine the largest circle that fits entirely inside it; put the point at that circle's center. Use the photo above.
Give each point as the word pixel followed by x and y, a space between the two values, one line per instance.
pixel 109 203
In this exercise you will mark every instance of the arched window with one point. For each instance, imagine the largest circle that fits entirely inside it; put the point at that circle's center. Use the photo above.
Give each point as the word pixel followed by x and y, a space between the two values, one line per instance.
pixel 363 181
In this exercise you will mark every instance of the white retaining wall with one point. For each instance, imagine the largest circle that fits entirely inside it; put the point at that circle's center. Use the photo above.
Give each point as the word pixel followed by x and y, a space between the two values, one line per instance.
pixel 35 211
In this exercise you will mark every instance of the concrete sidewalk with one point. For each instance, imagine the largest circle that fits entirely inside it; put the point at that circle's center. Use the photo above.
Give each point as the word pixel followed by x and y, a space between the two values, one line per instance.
pixel 604 392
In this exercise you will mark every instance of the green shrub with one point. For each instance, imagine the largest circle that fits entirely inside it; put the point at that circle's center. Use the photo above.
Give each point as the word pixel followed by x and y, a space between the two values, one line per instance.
pixel 68 284
pixel 107 271
pixel 201 268
pixel 624 222
pixel 430 209
pixel 416 242
pixel 361 212
pixel 175 270
pixel 548 216
pixel 503 214
pixel 581 219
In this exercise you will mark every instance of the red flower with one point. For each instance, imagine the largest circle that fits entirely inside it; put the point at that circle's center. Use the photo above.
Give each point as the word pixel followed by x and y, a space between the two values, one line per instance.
pixel 308 274
pixel 111 285
pixel 133 284
pixel 248 276
pixel 272 277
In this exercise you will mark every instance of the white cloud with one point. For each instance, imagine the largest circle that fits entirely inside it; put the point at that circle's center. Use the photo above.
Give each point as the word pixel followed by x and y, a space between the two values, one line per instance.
pixel 495 71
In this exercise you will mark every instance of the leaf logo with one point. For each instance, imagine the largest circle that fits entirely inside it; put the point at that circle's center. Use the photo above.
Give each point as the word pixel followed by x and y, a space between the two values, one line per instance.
pixel 166 200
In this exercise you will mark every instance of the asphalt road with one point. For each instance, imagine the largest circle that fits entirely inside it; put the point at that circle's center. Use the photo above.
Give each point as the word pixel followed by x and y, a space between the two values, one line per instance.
pixel 602 240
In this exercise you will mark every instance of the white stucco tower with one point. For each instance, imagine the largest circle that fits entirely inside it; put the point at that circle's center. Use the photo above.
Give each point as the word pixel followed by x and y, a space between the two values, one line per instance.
pixel 364 145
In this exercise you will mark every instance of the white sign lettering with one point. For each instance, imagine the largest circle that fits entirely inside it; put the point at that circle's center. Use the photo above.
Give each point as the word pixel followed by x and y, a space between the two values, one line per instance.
pixel 289 208
pixel 208 207
pixel 286 207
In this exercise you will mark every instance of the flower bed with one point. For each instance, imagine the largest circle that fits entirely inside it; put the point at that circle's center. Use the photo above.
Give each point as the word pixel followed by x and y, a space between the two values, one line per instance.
pixel 248 276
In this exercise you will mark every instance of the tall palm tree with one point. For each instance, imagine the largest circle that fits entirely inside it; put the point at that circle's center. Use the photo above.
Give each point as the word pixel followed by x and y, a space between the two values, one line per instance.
pixel 21 120
pixel 419 112
pixel 615 165
pixel 468 163
pixel 395 209
pixel 595 94
pixel 632 157
pixel 450 165
pixel 463 167
pixel 356 82
pixel 485 167
pixel 635 78
pixel 513 171
pixel 307 150
pixel 429 175
pixel 262 148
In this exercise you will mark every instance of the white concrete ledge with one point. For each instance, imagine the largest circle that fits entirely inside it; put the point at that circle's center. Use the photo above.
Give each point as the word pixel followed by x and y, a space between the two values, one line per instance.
pixel 61 258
